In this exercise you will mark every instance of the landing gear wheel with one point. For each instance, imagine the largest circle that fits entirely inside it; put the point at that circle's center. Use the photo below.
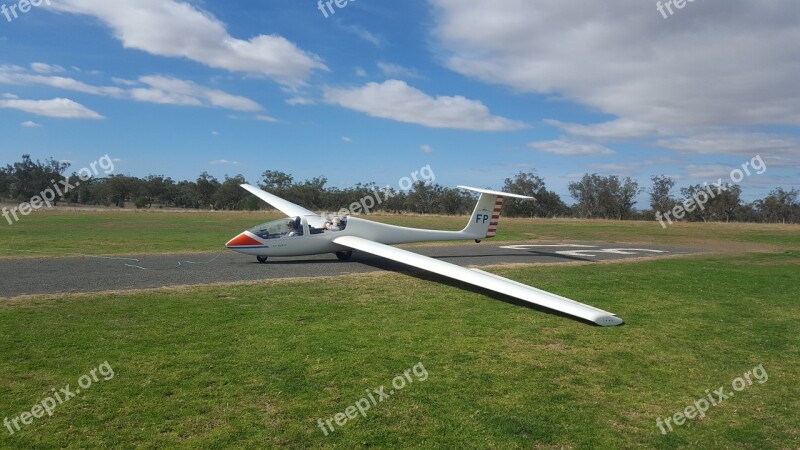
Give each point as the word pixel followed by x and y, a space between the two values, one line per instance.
pixel 261 259
pixel 344 256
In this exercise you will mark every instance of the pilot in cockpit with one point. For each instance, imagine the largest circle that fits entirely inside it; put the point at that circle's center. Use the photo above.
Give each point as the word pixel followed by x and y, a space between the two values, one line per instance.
pixel 295 227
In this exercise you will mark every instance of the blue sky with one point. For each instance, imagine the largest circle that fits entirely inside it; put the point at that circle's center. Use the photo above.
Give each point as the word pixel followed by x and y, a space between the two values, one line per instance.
pixel 478 90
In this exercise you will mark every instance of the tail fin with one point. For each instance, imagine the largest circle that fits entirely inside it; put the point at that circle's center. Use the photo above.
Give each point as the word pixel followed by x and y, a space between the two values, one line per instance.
pixel 483 222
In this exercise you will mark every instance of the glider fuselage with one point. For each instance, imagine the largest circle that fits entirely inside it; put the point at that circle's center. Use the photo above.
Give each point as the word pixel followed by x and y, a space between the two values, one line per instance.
pixel 315 240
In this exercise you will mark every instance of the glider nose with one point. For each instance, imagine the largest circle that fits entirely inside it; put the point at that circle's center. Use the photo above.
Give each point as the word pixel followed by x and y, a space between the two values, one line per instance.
pixel 242 240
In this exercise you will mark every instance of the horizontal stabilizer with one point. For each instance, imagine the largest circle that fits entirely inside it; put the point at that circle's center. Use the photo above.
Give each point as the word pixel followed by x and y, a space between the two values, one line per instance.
pixel 497 193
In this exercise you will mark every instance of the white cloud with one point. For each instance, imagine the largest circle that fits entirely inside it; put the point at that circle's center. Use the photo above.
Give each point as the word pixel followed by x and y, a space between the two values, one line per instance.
pixel 215 133
pixel 346 139
pixel 62 108
pixel 363 34
pixel 719 64
pixel 708 171
pixel 266 118
pixel 9 96
pixel 396 100
pixel 178 29
pixel 39 67
pixel 426 148
pixel 16 75
pixel 181 92
pixel 223 162
pixel 396 71
pixel 151 89
pixel 30 124
pixel 568 148
pixel 735 143
pixel 697 83
pixel 621 128
pixel 360 72
pixel 123 82
pixel 294 101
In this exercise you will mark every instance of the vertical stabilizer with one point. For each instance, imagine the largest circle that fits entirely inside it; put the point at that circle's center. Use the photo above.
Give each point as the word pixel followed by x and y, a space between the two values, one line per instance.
pixel 486 216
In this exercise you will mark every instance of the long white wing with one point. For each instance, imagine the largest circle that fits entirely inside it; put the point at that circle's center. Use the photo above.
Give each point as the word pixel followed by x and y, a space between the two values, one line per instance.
pixel 483 279
pixel 284 206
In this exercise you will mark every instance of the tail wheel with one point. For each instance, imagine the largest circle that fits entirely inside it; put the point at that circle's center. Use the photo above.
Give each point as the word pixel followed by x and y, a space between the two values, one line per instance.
pixel 344 256
pixel 261 259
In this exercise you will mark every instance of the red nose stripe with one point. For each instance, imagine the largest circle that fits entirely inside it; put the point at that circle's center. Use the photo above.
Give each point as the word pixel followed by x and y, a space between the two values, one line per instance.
pixel 243 240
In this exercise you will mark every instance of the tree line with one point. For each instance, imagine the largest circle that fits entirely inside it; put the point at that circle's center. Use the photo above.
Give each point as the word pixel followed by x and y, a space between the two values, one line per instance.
pixel 595 196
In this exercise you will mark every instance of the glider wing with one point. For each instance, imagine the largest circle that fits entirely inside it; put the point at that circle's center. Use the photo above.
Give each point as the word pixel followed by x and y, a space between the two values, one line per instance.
pixel 284 206
pixel 484 280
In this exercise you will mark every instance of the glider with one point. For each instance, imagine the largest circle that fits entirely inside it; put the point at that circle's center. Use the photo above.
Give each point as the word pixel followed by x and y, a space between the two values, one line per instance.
pixel 305 233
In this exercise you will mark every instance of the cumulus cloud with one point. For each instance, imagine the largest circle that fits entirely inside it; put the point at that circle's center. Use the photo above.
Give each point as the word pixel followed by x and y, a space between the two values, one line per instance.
pixel 713 64
pixel 46 68
pixel 622 128
pixel 699 82
pixel 363 34
pixel 266 118
pixel 736 143
pixel 61 108
pixel 396 100
pixel 396 70
pixel 16 75
pixel 568 148
pixel 151 89
pixel 178 29
pixel 30 124
pixel 168 90
pixel 294 101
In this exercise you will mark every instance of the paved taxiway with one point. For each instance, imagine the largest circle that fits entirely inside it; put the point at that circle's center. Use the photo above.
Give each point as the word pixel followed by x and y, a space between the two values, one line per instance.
pixel 95 274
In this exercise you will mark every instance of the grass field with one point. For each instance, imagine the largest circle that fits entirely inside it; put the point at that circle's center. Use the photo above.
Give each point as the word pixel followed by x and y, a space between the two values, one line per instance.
pixel 255 365
pixel 131 232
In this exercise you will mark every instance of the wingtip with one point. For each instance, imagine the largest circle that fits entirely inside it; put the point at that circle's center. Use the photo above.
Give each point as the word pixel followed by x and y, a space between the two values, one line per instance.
pixel 609 321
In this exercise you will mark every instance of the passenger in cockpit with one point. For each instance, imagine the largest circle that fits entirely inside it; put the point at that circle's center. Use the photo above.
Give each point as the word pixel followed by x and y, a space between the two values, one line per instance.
pixel 336 225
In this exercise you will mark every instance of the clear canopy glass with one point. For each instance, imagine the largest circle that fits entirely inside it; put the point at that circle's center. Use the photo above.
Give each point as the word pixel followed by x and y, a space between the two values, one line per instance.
pixel 280 228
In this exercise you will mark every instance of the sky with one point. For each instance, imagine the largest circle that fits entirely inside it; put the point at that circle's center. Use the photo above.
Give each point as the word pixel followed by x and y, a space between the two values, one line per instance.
pixel 374 90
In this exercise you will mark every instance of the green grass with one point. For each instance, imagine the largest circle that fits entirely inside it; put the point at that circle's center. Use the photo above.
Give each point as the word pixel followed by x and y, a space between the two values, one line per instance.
pixel 113 232
pixel 254 366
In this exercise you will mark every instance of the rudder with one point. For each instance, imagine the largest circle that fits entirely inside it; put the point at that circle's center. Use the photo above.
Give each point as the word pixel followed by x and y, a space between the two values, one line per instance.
pixel 485 218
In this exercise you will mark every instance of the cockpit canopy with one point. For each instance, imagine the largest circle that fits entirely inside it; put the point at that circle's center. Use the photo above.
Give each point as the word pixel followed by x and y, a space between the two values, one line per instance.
pixel 279 228
pixel 298 226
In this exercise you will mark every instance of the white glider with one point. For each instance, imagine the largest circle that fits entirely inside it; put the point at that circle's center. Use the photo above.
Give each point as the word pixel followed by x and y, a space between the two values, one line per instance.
pixel 305 233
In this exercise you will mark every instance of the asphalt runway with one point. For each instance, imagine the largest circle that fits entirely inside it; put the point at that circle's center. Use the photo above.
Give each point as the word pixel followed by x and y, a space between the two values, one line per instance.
pixel 98 273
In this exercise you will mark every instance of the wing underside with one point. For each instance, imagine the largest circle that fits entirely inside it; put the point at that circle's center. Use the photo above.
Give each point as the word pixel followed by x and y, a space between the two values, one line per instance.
pixel 484 280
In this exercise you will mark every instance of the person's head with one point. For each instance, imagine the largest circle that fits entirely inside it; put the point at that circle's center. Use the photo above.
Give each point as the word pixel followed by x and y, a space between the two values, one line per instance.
pixel 337 221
